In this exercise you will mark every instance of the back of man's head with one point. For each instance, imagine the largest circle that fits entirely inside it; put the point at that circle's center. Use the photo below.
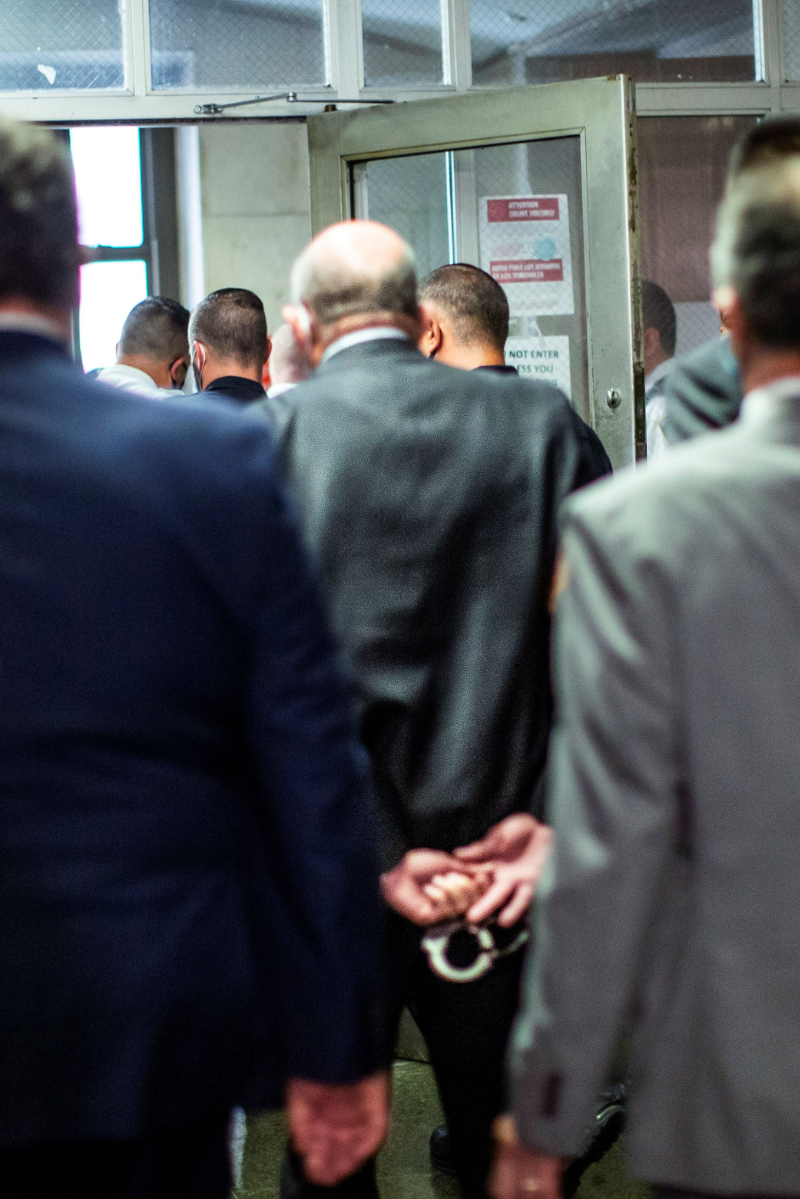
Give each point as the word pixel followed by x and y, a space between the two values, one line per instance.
pixel 757 255
pixel 766 144
pixel 287 362
pixel 39 255
pixel 353 271
pixel 473 303
pixel 658 312
pixel 155 331
pixel 232 326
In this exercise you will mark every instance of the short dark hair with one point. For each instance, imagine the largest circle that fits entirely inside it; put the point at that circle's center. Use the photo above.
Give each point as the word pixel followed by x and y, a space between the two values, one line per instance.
pixel 39 254
pixel 769 141
pixel 474 302
pixel 233 324
pixel 658 312
pixel 757 251
pixel 156 328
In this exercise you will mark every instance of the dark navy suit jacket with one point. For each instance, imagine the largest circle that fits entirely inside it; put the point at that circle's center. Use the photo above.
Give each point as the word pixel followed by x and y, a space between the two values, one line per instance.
pixel 188 901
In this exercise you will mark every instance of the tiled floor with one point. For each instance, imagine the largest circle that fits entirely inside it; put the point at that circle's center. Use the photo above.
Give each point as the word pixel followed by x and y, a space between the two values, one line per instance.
pixel 403 1167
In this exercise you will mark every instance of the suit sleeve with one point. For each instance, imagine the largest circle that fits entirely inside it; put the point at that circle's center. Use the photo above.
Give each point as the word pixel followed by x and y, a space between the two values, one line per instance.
pixel 320 877
pixel 612 800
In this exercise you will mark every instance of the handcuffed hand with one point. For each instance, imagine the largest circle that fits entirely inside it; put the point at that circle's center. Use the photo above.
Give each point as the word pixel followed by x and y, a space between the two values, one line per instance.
pixel 428 886
pixel 514 853
pixel 335 1129
pixel 519 1172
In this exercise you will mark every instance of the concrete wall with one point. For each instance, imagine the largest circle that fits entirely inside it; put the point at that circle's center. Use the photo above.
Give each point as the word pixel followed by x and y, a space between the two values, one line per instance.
pixel 255 207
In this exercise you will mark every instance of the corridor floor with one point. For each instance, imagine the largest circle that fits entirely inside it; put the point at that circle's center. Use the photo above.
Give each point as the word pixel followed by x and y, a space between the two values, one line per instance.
pixel 403 1167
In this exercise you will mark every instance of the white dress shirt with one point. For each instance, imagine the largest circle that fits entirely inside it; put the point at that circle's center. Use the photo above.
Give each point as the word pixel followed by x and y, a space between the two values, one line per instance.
pixel 655 409
pixel 130 378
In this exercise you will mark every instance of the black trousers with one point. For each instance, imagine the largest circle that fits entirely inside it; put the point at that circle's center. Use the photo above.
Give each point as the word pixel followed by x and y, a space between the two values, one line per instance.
pixel 179 1163
pixel 466 1026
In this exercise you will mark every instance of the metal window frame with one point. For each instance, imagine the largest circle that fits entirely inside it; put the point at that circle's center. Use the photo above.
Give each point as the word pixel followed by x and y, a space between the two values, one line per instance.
pixel 139 104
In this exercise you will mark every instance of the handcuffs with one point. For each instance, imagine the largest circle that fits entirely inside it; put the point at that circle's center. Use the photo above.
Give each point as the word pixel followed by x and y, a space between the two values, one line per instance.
pixel 437 944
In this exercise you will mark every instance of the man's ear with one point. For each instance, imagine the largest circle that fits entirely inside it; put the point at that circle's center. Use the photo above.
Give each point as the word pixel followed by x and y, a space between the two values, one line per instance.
pixel 431 338
pixel 736 324
pixel 298 319
pixel 651 340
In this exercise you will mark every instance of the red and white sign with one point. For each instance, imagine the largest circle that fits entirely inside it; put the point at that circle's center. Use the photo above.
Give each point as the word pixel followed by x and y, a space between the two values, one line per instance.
pixel 525 246
pixel 523 208
pixel 530 271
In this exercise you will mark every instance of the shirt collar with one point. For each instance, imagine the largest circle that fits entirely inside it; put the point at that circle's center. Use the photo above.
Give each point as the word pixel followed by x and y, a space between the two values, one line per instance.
pixel 657 374
pixel 278 389
pixel 763 400
pixel 141 378
pixel 236 387
pixel 383 332
pixel 23 322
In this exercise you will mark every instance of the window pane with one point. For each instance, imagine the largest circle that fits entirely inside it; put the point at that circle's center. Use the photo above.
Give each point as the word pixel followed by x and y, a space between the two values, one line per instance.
pixel 409 195
pixel 683 164
pixel 534 41
pixel 402 42
pixel 109 185
pixel 55 44
pixel 237 43
pixel 791 39
pixel 108 292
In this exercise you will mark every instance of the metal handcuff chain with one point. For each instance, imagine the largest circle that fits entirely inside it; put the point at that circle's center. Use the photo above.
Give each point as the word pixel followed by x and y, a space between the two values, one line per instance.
pixel 436 943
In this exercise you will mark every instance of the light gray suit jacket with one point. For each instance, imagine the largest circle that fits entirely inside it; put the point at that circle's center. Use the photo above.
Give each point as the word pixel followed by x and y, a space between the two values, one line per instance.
pixel 672 909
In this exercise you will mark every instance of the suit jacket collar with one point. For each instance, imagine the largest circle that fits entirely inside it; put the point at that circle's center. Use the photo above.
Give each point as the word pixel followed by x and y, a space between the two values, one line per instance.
pixel 20 343
pixel 382 348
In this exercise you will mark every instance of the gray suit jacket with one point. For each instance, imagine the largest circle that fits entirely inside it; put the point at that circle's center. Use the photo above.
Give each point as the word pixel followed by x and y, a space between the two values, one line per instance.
pixel 672 909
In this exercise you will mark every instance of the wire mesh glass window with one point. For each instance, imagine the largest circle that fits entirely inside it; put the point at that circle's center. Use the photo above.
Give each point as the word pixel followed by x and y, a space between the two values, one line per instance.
pixel 402 42
pixel 237 43
pixel 683 165
pixel 535 41
pixel 60 44
pixel 409 194
pixel 791 40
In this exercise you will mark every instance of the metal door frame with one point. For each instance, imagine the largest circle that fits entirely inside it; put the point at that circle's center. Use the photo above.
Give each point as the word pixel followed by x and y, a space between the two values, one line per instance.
pixel 599 111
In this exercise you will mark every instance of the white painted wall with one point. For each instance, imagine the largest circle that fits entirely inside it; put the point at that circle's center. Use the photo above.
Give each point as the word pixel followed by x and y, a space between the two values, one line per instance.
pixel 255 207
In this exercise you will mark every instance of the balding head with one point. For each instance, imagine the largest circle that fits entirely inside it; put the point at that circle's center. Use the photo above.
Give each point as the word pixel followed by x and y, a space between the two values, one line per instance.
pixel 358 274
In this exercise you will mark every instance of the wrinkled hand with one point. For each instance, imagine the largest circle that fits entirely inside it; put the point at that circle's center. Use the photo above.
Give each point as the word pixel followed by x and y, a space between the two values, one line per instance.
pixel 519 1172
pixel 515 852
pixel 427 886
pixel 335 1129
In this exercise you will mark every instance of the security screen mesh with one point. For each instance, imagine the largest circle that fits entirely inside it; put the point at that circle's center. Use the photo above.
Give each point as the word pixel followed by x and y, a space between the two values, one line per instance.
pixel 58 44
pixel 237 44
pixel 683 164
pixel 410 195
pixel 402 42
pixel 535 41
pixel 791 39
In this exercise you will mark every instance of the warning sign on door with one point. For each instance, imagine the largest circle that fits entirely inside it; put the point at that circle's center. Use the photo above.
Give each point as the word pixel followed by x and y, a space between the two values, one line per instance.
pixel 525 246
pixel 544 358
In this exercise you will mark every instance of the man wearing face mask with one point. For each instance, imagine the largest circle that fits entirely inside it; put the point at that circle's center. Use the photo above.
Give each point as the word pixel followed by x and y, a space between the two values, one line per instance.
pixel 228 336
pixel 153 349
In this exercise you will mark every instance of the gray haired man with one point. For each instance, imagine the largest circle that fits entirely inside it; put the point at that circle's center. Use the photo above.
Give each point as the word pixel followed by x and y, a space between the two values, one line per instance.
pixel 670 915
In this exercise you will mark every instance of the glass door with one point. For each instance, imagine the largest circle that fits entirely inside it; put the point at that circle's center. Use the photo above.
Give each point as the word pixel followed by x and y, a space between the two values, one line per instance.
pixel 537 185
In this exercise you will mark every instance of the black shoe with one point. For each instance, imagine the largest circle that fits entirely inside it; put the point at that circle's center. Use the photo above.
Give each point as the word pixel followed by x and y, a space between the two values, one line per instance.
pixel 440 1150
pixel 606 1129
